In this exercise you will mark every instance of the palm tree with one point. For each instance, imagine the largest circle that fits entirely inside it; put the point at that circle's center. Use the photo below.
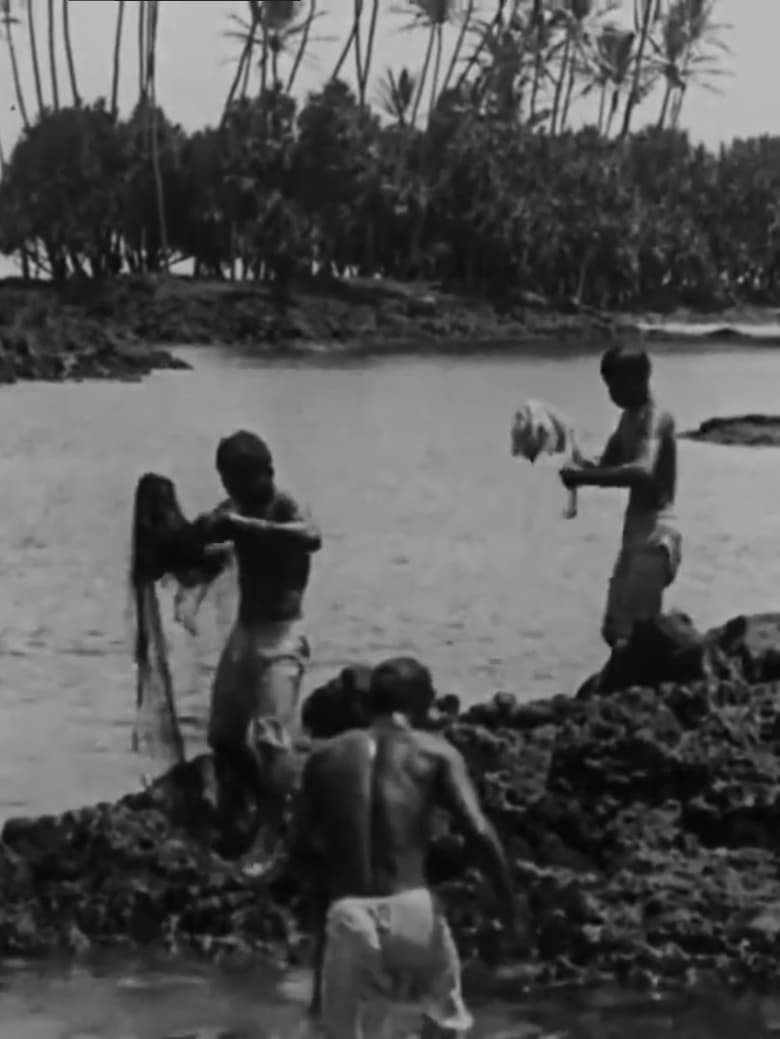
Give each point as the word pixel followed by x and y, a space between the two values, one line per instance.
pixel 689 41
pixel 613 54
pixel 432 15
pixel 143 48
pixel 9 20
pixel 304 43
pixel 579 11
pixel 55 87
pixel 395 95
pixel 465 24
pixel 363 80
pixel 273 24
pixel 34 56
pixel 645 13
pixel 120 16
pixel 150 100
pixel 69 52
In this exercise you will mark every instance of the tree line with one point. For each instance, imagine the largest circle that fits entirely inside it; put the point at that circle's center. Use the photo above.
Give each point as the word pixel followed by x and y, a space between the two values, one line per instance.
pixel 466 172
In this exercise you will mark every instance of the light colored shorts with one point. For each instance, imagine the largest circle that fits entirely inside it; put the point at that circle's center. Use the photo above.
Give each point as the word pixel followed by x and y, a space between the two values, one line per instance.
pixel 642 572
pixel 396 949
pixel 259 675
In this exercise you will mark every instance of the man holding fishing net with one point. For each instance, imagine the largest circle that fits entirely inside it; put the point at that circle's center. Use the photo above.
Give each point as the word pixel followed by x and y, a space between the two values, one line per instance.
pixel 641 455
pixel 261 668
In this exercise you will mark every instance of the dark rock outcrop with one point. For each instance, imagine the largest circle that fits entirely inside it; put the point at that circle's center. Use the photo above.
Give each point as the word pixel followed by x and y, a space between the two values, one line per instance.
pixel 643 825
pixel 739 430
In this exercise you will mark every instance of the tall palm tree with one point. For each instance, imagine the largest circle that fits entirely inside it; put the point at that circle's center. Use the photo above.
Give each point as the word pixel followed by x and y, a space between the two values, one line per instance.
pixel 690 46
pixel 395 95
pixel 69 53
pixel 646 12
pixel 143 48
pixel 465 24
pixel 152 113
pixel 303 44
pixel 34 56
pixel 9 20
pixel 432 15
pixel 353 40
pixel 274 25
pixel 55 86
pixel 120 18
pixel 613 55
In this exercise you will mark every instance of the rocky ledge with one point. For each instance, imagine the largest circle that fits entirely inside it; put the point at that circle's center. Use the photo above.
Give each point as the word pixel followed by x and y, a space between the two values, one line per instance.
pixel 642 818
pixel 740 430
pixel 45 338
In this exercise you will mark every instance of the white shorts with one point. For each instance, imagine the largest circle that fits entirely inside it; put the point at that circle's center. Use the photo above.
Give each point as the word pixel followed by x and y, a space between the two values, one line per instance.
pixel 393 949
pixel 259 675
pixel 643 571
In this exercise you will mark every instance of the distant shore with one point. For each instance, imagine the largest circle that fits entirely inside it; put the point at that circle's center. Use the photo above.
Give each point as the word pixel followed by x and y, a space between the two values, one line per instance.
pixel 119 329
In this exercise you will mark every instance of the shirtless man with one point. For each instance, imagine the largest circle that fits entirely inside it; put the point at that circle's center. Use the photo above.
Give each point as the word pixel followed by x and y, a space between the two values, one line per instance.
pixel 641 455
pixel 361 832
pixel 260 671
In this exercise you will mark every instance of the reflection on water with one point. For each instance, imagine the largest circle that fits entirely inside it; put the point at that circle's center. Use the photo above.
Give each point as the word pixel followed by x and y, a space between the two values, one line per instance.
pixel 190 1003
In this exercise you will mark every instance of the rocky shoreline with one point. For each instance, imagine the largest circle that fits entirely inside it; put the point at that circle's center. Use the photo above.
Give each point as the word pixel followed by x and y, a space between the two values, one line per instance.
pixel 738 430
pixel 642 824
pixel 118 329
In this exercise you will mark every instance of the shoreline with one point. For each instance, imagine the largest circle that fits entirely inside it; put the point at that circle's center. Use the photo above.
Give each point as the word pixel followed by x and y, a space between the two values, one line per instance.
pixel 641 824
pixel 122 329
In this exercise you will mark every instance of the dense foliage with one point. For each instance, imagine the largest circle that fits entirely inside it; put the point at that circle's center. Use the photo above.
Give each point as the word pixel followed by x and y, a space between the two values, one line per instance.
pixel 476 203
pixel 482 187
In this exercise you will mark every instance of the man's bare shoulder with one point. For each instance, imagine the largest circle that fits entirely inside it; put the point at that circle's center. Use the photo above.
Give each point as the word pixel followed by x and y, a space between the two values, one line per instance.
pixel 327 750
pixel 659 419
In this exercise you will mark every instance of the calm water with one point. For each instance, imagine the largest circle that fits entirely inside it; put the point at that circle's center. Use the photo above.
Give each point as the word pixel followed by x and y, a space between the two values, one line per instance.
pixel 437 541
pixel 144 1003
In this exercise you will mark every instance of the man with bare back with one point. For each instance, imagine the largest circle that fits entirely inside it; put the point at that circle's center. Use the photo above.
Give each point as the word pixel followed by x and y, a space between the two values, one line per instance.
pixel 641 455
pixel 261 668
pixel 361 833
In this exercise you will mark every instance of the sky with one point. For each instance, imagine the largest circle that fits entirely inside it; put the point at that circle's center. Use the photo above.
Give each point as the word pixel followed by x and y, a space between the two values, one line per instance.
pixel 196 60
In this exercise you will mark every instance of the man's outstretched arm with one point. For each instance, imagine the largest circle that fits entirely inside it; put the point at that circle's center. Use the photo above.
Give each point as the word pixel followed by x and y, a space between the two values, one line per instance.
pixel 289 520
pixel 460 798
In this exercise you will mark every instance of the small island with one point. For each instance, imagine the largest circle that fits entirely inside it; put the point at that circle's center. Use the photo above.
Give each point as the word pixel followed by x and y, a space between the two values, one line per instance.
pixel 447 209
pixel 739 430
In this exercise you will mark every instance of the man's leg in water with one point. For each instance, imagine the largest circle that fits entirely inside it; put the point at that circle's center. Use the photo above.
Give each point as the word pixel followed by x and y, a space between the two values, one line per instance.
pixel 232 713
pixel 636 591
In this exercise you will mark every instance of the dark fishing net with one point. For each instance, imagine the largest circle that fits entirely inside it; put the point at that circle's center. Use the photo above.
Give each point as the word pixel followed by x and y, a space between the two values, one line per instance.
pixel 165 547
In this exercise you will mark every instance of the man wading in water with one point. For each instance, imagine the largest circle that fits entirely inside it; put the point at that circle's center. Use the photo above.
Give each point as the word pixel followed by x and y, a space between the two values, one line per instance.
pixel 261 668
pixel 641 455
pixel 361 831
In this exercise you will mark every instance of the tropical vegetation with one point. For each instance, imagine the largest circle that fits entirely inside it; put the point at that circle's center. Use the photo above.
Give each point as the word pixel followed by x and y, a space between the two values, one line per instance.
pixel 467 171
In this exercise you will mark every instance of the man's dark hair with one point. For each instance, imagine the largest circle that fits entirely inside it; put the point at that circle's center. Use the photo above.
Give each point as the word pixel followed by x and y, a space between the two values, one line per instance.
pixel 623 362
pixel 243 452
pixel 401 685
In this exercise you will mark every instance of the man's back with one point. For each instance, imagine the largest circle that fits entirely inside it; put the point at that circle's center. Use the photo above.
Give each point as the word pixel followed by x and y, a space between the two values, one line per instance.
pixel 371 795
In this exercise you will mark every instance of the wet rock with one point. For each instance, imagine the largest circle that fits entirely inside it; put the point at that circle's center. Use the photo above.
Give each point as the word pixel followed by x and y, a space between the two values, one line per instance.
pixel 754 430
pixel 642 826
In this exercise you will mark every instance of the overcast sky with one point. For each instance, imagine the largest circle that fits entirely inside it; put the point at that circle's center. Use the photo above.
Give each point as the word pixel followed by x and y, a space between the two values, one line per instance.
pixel 196 59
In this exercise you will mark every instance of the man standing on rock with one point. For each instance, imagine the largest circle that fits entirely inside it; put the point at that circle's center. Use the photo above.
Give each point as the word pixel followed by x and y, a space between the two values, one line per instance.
pixel 261 668
pixel 641 455
pixel 361 833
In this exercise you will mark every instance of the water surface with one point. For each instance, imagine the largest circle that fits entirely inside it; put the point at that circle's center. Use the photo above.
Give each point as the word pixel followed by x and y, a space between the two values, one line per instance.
pixel 437 542
pixel 139 1002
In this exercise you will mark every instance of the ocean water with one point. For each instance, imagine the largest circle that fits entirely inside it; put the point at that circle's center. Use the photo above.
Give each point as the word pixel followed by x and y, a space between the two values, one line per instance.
pixel 437 543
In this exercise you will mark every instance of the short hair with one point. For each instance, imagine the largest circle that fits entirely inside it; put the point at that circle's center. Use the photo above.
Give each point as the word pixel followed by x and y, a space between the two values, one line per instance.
pixel 241 453
pixel 623 362
pixel 402 685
